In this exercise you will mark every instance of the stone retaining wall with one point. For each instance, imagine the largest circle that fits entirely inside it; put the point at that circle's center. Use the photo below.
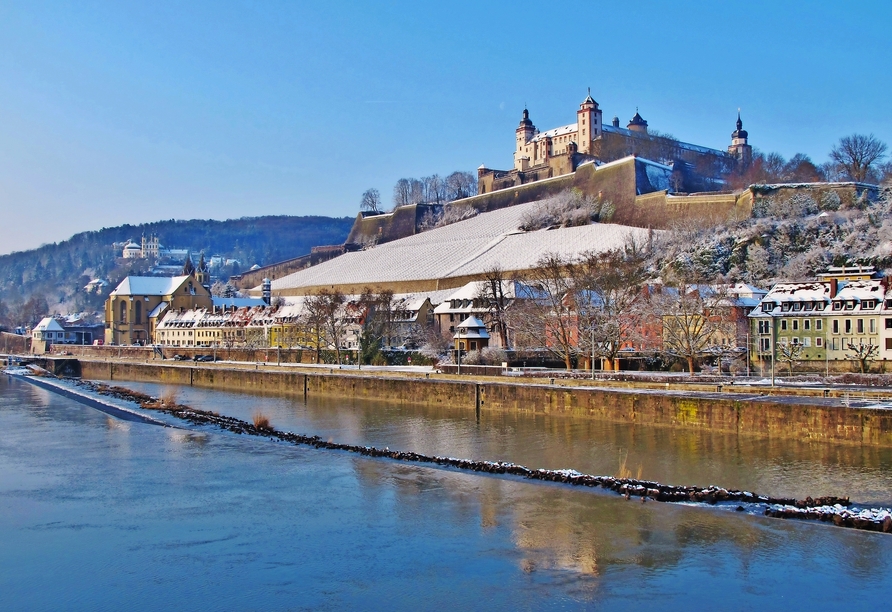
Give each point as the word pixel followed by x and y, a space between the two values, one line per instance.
pixel 761 416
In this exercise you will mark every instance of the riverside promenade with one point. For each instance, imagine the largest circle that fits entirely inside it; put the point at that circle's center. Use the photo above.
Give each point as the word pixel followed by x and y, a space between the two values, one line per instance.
pixel 853 416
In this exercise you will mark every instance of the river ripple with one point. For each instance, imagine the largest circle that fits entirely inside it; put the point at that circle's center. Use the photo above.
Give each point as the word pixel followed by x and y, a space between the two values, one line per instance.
pixel 100 514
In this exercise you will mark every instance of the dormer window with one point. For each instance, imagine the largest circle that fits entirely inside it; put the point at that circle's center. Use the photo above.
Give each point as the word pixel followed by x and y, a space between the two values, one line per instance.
pixel 797 306
pixel 837 305
pixel 785 307
pixel 850 305
pixel 808 306
pixel 768 306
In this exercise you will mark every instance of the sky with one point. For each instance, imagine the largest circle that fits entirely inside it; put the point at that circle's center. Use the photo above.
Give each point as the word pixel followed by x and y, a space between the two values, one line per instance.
pixel 124 112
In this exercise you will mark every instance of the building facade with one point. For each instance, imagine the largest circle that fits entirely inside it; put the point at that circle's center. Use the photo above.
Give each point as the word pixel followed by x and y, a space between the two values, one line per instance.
pixel 822 324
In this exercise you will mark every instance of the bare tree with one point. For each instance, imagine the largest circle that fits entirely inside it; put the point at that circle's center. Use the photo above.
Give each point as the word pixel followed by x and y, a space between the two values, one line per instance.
pixel 607 291
pixel 857 154
pixel 544 309
pixel 693 317
pixel 460 185
pixel 378 322
pixel 325 320
pixel 434 189
pixel 402 193
pixel 371 200
pixel 789 353
pixel 863 353
pixel 492 294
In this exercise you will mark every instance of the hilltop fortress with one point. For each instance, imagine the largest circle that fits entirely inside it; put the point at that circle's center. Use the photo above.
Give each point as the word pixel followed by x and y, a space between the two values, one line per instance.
pixel 559 151
pixel 641 180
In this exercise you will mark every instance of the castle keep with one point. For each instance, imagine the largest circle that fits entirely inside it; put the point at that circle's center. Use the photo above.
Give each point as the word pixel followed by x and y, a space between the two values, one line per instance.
pixel 559 151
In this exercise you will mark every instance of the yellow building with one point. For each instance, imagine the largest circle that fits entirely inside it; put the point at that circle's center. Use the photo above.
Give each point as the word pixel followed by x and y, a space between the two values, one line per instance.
pixel 133 309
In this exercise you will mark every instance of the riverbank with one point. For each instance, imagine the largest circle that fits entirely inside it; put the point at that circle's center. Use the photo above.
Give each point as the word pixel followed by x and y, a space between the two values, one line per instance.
pixel 800 417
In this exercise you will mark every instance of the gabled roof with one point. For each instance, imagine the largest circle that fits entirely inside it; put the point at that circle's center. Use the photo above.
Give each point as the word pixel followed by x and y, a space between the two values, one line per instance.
pixel 149 285
pixel 48 324
pixel 472 327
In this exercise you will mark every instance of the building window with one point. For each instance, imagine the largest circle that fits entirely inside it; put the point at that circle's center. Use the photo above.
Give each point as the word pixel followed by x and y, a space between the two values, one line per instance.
pixel 835 326
pixel 806 325
pixel 873 326
pixel 137 313
pixel 795 324
pixel 806 342
pixel 819 324
pixel 848 326
pixel 123 317
pixel 783 325
pixel 819 342
pixel 889 344
pixel 765 344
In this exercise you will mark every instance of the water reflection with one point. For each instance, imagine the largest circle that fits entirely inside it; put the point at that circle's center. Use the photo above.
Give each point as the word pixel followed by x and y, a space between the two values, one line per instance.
pixel 203 519
pixel 773 467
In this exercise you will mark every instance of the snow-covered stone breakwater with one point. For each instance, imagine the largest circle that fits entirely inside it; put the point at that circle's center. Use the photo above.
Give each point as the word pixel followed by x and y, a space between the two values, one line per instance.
pixel 836 510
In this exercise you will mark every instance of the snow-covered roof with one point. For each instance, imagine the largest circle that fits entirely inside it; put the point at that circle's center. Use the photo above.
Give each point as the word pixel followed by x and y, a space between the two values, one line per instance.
pixel 861 290
pixel 799 292
pixel 472 327
pixel 234 302
pixel 469 292
pixel 555 132
pixel 681 145
pixel 157 310
pixel 149 285
pixel 467 248
pixel 48 324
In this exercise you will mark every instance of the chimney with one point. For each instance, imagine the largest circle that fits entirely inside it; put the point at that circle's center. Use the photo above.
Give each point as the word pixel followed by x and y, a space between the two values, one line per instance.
pixel 834 287
pixel 267 291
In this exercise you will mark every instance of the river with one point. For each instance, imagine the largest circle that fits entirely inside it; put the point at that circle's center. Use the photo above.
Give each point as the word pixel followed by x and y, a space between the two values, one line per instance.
pixel 102 514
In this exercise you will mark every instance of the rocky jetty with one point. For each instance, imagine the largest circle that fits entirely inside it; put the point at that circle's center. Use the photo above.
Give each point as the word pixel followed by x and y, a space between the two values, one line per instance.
pixel 835 510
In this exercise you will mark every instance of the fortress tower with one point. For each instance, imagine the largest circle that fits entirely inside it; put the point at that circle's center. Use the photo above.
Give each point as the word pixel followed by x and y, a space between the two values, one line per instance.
pixel 740 147
pixel 588 122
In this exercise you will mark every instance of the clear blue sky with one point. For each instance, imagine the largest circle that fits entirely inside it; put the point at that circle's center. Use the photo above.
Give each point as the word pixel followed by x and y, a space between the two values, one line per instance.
pixel 116 112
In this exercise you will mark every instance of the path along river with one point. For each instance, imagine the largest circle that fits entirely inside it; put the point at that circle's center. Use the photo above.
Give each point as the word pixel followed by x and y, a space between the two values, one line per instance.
pixel 98 513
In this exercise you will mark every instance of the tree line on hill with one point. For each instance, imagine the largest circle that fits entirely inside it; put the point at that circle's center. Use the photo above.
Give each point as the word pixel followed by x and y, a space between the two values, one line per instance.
pixel 432 189
pixel 52 277
pixel 857 157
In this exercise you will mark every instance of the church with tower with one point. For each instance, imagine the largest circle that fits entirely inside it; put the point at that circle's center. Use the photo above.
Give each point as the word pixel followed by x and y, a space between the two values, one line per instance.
pixel 540 155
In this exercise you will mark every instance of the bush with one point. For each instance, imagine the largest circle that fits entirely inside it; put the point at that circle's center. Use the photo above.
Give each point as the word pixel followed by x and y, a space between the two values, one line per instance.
pixel 261 421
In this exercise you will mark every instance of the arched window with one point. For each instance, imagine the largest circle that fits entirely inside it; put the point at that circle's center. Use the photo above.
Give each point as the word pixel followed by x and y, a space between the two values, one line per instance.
pixel 123 311
pixel 137 313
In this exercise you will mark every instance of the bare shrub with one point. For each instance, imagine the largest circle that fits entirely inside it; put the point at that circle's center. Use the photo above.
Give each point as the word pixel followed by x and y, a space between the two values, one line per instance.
pixel 261 421
pixel 625 471
pixel 567 209
pixel 448 215
pixel 168 396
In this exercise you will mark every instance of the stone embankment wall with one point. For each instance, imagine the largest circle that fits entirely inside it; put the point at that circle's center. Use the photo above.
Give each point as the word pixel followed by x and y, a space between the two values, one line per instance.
pixel 726 413
pixel 14 343
pixel 147 353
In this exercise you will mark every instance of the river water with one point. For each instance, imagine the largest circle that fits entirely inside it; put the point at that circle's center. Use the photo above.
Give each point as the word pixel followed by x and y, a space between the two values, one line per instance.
pixel 102 514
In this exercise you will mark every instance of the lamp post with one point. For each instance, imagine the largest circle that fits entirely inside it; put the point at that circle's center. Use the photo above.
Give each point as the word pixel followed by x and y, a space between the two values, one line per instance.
pixel 593 352
pixel 459 350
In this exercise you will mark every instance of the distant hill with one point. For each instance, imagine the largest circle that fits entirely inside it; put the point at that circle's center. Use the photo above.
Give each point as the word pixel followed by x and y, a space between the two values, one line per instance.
pixel 58 272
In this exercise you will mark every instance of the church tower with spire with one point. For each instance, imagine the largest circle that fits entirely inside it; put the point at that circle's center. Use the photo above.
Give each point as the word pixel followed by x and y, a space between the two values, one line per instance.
pixel 203 273
pixel 740 148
